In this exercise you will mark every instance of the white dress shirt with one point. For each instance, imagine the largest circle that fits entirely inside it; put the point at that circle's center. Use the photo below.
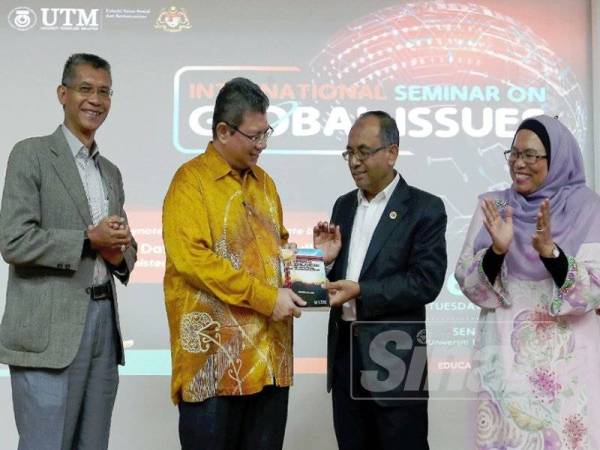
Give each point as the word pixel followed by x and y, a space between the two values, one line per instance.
pixel 368 214
pixel 93 184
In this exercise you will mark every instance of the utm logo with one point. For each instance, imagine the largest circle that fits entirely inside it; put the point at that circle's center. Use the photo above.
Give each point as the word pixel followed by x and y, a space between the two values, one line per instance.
pixel 22 18
pixel 70 19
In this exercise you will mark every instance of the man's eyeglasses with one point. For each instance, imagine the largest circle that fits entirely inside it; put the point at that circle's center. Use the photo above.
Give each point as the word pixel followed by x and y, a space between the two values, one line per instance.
pixel 87 91
pixel 361 155
pixel 529 156
pixel 259 138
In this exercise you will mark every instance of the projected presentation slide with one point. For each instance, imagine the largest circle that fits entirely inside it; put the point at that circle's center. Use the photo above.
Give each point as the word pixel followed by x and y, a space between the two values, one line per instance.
pixel 458 77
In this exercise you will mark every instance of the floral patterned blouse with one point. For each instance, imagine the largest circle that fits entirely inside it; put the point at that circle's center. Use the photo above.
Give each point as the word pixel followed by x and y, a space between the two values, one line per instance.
pixel 537 354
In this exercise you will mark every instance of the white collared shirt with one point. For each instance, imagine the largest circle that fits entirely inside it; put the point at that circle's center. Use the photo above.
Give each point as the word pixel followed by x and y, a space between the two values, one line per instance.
pixel 368 214
pixel 91 178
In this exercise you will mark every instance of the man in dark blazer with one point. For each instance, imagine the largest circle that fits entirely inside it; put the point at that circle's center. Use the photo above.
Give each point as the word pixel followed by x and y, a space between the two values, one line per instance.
pixel 386 247
pixel 64 234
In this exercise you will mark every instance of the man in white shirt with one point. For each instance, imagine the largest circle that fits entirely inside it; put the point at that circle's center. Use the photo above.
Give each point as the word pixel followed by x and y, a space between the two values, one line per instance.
pixel 387 250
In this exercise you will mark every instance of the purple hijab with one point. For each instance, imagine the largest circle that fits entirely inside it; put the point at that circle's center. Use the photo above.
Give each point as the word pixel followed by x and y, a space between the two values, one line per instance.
pixel 574 208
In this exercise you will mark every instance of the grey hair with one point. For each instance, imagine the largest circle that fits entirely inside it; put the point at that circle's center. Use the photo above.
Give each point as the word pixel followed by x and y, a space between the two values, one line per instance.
pixel 388 129
pixel 79 59
pixel 237 97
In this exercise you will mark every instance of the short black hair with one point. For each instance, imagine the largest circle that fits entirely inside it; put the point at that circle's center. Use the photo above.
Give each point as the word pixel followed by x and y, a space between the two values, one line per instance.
pixel 388 129
pixel 237 97
pixel 79 59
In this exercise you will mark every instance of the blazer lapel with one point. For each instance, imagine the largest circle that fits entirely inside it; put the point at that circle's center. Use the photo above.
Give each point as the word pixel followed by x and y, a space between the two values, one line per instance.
pixel 393 214
pixel 66 169
pixel 346 221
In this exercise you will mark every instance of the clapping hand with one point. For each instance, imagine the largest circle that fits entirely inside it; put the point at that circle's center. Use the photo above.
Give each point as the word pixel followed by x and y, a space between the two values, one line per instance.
pixel 499 228
pixel 542 239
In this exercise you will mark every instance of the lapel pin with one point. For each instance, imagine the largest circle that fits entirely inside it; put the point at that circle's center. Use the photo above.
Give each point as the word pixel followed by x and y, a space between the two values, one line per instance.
pixel 393 215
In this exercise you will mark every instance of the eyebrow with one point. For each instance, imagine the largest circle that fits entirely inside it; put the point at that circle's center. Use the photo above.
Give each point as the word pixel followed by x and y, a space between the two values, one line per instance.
pixel 359 148
pixel 253 133
pixel 526 150
pixel 87 83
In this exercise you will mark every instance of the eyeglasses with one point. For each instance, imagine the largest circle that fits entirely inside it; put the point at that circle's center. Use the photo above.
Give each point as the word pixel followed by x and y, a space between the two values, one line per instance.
pixel 87 90
pixel 529 156
pixel 361 155
pixel 259 138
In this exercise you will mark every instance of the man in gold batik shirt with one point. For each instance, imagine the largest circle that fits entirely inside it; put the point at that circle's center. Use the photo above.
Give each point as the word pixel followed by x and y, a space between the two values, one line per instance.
pixel 230 323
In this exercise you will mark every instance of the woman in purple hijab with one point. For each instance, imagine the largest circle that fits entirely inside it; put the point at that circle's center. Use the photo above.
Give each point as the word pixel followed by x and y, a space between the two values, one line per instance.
pixel 531 262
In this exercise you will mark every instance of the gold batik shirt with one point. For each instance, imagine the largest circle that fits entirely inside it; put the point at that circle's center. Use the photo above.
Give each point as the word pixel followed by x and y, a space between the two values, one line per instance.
pixel 222 233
